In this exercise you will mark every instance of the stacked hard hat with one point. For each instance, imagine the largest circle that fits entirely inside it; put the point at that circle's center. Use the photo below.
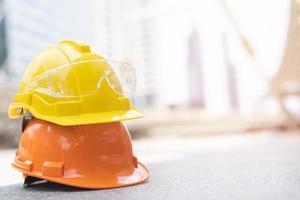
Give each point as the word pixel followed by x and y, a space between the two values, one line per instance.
pixel 72 102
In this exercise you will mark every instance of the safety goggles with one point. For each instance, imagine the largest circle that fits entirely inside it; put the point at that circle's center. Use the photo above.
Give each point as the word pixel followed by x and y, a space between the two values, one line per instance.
pixel 86 77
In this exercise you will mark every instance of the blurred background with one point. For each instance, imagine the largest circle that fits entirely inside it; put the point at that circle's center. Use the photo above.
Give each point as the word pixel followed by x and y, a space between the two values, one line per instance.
pixel 204 67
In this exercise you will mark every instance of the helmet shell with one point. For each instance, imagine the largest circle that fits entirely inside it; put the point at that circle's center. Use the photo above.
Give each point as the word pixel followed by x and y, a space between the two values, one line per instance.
pixel 87 156
pixel 102 106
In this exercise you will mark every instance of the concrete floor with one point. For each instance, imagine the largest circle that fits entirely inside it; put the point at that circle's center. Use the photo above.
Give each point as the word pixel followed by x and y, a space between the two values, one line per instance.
pixel 241 166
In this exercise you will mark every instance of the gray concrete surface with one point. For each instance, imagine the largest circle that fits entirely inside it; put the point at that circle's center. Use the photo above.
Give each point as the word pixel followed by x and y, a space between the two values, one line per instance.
pixel 259 166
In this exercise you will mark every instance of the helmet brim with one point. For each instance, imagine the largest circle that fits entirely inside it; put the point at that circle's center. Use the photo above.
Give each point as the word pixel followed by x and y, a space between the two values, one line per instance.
pixel 139 175
pixel 70 120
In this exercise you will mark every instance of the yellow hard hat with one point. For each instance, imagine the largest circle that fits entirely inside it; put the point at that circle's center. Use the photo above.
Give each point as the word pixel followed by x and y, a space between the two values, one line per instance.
pixel 67 84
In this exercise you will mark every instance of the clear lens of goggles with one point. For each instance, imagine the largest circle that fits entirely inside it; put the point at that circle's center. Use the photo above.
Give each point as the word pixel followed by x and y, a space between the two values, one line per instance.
pixel 86 77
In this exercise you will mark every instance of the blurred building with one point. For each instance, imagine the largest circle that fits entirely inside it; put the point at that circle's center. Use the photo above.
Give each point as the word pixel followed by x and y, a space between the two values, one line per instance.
pixel 173 70
pixel 32 25
pixel 127 30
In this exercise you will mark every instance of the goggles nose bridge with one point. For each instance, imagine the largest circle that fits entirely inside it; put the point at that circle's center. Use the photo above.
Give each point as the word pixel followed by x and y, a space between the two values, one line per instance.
pixel 111 85
pixel 99 83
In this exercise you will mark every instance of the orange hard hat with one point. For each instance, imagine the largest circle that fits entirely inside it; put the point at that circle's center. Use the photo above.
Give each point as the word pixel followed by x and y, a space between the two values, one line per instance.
pixel 88 156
